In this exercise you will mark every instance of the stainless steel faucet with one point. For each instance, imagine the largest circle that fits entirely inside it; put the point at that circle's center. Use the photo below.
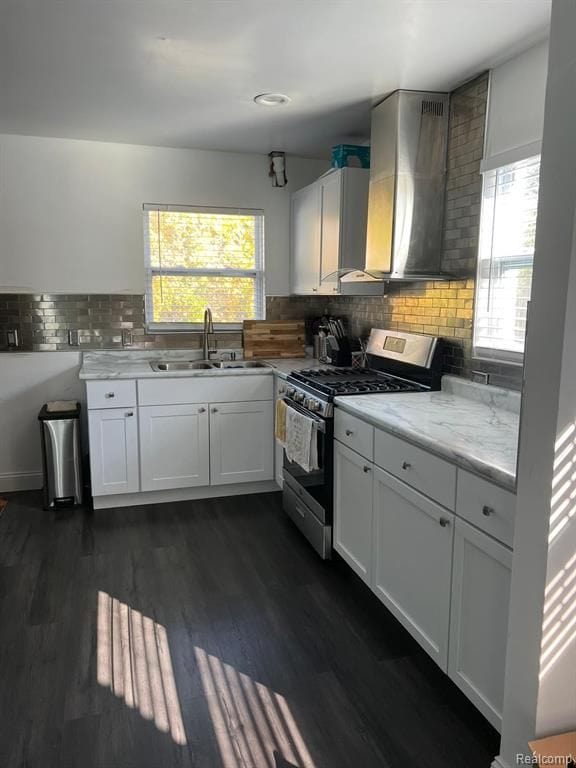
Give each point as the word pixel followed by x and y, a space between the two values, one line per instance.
pixel 208 331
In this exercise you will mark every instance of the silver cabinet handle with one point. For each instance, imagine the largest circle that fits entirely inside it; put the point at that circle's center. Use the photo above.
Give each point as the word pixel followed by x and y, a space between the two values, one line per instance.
pixel 487 511
pixel 444 522
pixel 366 468
pixel 214 410
pixel 108 395
pixel 349 432
pixel 406 465
pixel 130 413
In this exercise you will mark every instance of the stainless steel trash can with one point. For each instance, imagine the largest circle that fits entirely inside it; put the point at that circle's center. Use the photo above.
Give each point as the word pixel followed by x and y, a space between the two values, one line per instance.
pixel 61 456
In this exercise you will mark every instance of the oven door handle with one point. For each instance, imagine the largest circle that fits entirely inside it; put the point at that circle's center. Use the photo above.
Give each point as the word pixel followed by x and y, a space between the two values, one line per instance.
pixel 320 423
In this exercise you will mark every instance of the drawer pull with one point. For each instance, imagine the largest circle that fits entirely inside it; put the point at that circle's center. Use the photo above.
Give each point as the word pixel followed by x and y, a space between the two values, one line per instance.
pixel 108 395
pixel 444 522
pixel 349 432
pixel 406 465
pixel 366 468
pixel 214 410
pixel 130 413
pixel 487 511
pixel 201 410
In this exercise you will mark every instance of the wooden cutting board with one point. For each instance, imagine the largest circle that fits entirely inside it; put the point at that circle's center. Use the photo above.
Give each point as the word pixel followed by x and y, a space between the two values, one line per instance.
pixel 273 338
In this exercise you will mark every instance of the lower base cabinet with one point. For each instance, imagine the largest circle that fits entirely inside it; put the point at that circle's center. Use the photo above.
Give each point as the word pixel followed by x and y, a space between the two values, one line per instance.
pixel 241 442
pixel 174 442
pixel 413 539
pixel 353 511
pixel 187 446
pixel 113 434
pixel 479 623
pixel 445 580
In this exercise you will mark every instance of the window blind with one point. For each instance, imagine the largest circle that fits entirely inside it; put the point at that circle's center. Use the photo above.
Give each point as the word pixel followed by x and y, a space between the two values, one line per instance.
pixel 198 257
pixel 506 253
pixel 515 117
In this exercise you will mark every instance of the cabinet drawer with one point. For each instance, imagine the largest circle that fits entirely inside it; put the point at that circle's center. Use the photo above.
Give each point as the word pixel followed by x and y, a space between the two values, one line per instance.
pixel 111 394
pixel 354 433
pixel 486 506
pixel 427 473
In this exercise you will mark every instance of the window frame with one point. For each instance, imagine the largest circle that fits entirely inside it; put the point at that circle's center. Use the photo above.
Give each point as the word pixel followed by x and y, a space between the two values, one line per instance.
pixel 257 274
pixel 480 352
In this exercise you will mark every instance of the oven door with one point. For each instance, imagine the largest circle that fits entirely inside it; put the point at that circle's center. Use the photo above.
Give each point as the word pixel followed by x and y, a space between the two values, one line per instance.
pixel 315 487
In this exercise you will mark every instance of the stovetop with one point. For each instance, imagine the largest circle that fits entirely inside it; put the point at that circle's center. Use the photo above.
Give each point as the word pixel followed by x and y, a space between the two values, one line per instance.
pixel 336 382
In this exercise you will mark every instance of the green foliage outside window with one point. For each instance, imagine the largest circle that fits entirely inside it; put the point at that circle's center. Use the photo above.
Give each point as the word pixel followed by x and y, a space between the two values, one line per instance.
pixel 179 241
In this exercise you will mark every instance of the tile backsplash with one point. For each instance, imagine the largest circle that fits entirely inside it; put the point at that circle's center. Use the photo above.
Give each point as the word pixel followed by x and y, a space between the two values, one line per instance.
pixel 44 321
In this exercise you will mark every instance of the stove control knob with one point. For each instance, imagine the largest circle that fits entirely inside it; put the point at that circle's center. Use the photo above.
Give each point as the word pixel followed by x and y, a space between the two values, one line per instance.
pixel 290 391
pixel 299 397
pixel 314 406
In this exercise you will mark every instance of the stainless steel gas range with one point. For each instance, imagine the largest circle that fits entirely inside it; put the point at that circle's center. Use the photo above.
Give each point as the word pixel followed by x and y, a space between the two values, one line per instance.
pixel 397 363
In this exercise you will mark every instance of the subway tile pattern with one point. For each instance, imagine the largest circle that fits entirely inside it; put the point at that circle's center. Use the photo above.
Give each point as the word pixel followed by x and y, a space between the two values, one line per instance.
pixel 50 322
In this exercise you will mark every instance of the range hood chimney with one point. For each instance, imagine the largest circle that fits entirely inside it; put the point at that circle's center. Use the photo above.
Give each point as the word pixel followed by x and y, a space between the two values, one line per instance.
pixel 409 139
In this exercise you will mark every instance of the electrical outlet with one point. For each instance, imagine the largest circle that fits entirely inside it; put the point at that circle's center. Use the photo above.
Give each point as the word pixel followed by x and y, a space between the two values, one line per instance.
pixel 127 339
pixel 12 338
pixel 480 377
pixel 73 338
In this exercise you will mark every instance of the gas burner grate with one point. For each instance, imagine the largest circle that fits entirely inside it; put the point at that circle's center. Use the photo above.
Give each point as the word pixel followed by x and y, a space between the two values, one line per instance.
pixel 334 382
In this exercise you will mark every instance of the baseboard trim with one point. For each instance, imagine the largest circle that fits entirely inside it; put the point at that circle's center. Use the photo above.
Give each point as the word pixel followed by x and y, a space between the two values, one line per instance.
pixel 499 762
pixel 182 494
pixel 20 481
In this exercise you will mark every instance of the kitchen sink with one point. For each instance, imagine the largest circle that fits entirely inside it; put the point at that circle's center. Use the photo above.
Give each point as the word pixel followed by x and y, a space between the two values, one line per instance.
pixel 161 366
pixel 180 365
pixel 240 364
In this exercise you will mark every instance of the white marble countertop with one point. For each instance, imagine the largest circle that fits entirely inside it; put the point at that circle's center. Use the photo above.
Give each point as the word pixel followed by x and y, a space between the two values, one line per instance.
pixel 136 365
pixel 472 425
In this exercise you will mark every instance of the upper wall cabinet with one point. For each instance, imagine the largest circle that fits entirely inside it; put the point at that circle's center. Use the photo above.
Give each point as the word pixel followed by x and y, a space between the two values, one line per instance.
pixel 328 230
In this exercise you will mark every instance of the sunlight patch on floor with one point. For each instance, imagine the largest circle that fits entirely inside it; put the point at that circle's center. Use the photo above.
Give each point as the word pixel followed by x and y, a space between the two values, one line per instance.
pixel 133 661
pixel 253 724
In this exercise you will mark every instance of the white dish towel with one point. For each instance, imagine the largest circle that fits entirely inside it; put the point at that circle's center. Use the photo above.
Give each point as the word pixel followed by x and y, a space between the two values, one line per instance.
pixel 301 440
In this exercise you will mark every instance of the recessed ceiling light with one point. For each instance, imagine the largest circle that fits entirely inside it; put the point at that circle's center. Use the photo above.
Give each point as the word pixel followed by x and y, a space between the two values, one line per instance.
pixel 272 99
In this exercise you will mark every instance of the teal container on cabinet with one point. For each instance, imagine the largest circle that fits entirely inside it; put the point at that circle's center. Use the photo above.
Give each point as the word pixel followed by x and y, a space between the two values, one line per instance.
pixel 350 156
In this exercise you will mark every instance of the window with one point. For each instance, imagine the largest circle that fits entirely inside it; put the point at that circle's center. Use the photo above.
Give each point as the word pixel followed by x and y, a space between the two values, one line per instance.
pixel 506 253
pixel 203 257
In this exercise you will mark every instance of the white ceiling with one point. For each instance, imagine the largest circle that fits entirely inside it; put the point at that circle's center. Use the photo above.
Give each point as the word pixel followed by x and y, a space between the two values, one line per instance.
pixel 183 74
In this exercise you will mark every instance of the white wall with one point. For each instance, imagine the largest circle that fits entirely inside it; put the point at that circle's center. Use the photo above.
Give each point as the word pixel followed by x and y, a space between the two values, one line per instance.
pixel 27 381
pixel 540 693
pixel 71 211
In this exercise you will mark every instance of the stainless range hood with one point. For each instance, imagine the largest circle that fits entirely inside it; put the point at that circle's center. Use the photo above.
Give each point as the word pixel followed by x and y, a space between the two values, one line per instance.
pixel 409 138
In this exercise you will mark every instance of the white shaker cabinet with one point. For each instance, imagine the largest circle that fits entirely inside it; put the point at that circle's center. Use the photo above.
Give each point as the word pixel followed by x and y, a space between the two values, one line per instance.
pixel 479 623
pixel 353 510
pixel 113 436
pixel 174 446
pixel 413 561
pixel 241 442
pixel 305 240
pixel 329 230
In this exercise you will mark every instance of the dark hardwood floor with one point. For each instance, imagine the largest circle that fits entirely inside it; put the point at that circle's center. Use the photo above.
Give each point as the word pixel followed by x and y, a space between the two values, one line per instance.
pixel 208 634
